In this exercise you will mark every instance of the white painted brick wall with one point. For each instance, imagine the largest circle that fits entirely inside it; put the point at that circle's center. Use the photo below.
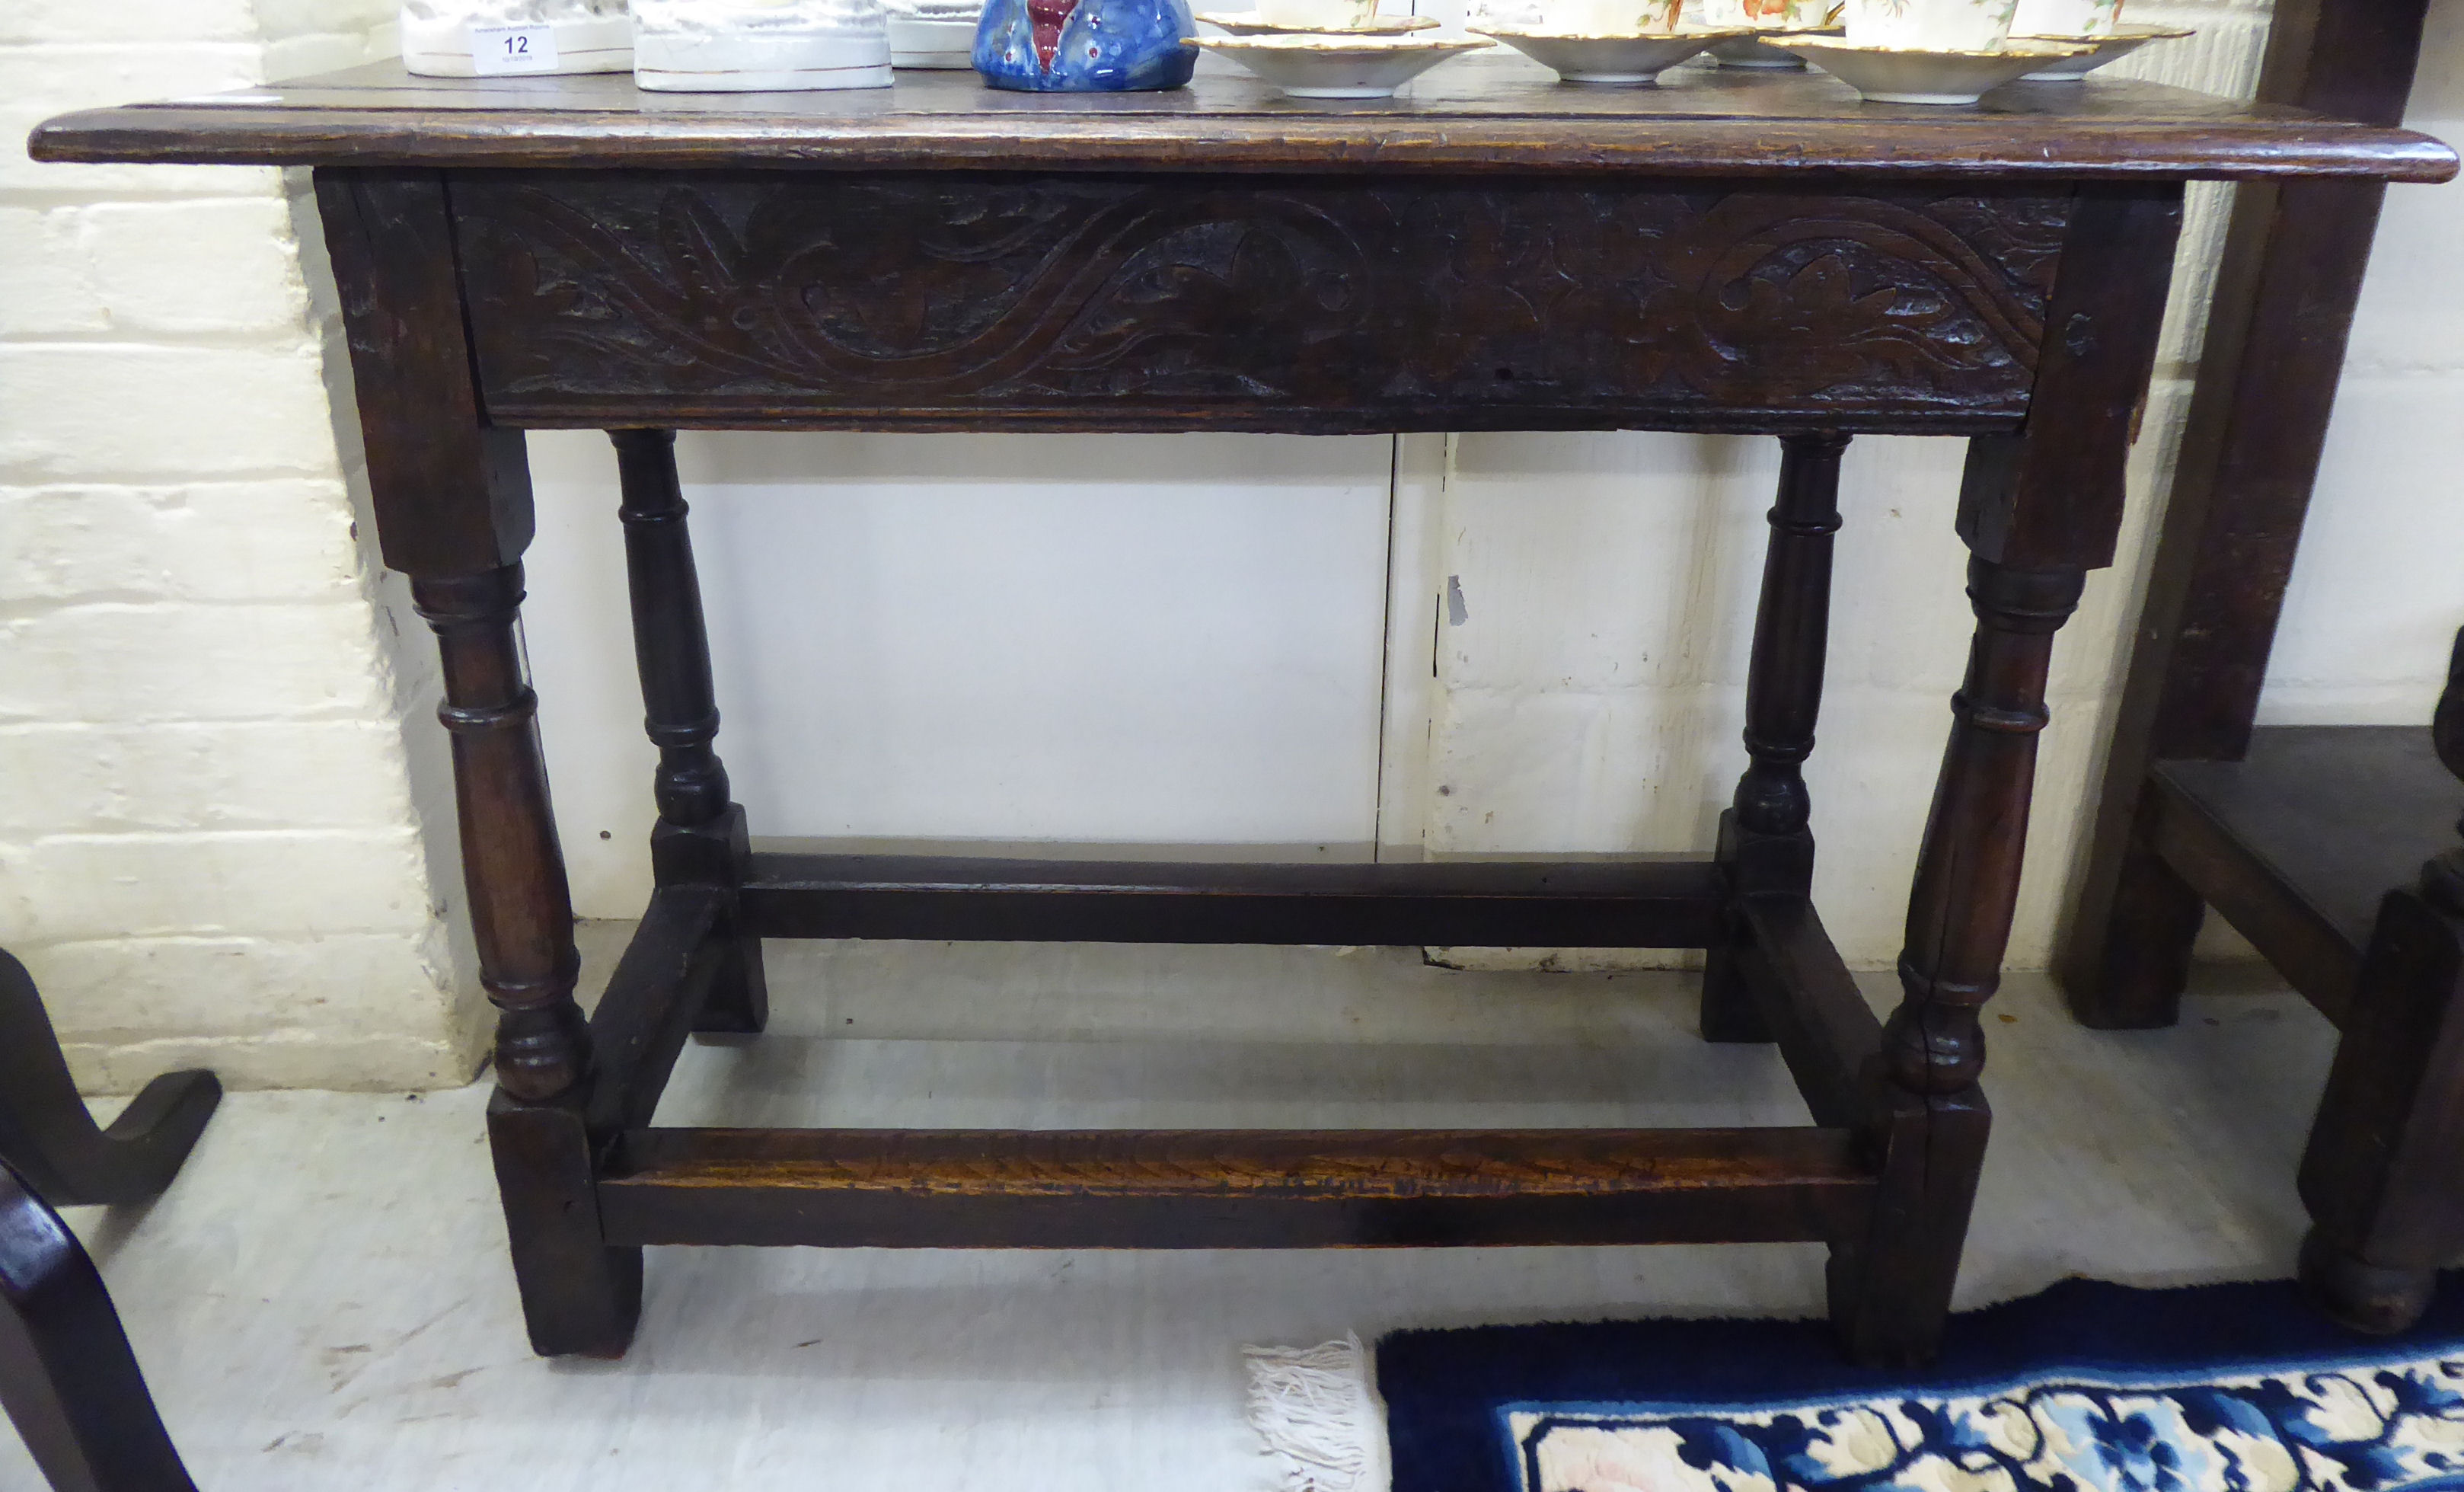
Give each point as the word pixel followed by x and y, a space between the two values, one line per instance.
pixel 214 711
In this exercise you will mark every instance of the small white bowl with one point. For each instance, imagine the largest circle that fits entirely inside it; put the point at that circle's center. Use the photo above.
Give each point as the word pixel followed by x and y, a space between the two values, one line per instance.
pixel 2124 40
pixel 1761 49
pixel 1608 60
pixel 1320 66
pixel 918 42
pixel 1891 74
pixel 1248 23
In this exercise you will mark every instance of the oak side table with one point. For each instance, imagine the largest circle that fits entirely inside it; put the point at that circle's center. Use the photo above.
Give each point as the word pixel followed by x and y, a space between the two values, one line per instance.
pixel 1753 253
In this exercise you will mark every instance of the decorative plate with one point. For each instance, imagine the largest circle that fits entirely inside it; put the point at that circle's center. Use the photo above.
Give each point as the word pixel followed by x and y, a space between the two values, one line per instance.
pixel 1246 23
pixel 1890 75
pixel 2123 40
pixel 1609 59
pixel 1320 66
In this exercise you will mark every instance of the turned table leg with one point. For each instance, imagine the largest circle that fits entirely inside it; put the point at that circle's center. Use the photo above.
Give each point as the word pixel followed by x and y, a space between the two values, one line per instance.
pixel 453 501
pixel 2038 509
pixel 2381 1175
pixel 1765 837
pixel 700 837
pixel 1891 1290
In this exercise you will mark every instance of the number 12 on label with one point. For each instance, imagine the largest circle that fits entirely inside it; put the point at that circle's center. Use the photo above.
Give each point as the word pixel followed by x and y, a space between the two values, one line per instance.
pixel 498 50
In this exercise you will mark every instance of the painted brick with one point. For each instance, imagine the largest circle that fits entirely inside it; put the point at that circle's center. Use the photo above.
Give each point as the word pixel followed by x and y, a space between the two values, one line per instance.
pixel 77 889
pixel 172 662
pixel 115 411
pixel 141 21
pixel 49 288
pixel 198 266
pixel 345 774
pixel 268 541
pixel 39 81
pixel 342 986
pixel 281 1059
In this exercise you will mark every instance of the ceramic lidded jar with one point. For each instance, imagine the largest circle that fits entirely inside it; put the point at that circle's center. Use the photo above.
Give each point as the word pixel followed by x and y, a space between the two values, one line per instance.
pixel 565 36
pixel 1086 46
pixel 759 46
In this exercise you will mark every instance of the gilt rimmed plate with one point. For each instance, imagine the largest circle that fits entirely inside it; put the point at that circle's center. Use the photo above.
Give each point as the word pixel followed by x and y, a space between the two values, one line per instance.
pixel 1611 59
pixel 1247 23
pixel 1895 75
pixel 1318 65
pixel 2124 40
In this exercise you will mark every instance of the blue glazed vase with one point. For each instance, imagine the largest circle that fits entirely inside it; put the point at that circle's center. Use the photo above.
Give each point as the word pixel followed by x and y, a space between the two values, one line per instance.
pixel 1101 46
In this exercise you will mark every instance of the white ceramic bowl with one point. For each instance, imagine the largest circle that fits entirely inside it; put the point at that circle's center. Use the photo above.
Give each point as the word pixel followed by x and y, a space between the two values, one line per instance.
pixel 1890 75
pixel 1319 66
pixel 1607 59
pixel 1248 23
pixel 2124 40
pixel 916 42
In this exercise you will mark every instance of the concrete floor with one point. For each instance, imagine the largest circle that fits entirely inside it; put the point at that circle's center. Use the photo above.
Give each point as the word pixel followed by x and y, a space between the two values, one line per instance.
pixel 321 1298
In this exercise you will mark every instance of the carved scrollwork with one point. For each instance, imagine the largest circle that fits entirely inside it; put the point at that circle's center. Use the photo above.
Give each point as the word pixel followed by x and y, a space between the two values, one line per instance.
pixel 1074 295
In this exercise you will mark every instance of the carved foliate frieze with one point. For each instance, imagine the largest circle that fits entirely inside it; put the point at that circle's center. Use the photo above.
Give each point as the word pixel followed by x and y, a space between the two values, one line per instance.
pixel 1221 300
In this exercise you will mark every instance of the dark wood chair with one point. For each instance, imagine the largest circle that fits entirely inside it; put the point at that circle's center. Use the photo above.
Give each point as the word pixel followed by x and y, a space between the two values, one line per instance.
pixel 67 1376
pixel 2297 845
pixel 2294 834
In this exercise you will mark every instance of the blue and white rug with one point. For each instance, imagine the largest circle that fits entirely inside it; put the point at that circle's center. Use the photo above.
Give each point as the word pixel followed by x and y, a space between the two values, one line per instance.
pixel 2085 1388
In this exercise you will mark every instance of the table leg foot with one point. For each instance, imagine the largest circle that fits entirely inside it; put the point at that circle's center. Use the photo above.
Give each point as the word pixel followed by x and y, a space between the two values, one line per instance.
pixel 579 1296
pixel 1890 1289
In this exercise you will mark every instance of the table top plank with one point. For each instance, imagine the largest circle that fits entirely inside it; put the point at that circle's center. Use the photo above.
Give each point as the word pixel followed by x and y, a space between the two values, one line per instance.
pixel 1499 113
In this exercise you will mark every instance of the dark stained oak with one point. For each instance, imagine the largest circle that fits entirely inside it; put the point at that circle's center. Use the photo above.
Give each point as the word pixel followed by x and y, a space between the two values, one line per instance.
pixel 1726 252
pixel 2272 354
pixel 1231 1188
pixel 1500 903
pixel 68 1378
pixel 52 1143
pixel 947 300
pixel 2334 849
pixel 1480 115
pixel 1767 837
pixel 700 837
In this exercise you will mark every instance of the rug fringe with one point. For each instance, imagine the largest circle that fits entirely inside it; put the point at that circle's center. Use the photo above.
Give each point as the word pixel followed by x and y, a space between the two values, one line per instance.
pixel 1317 1417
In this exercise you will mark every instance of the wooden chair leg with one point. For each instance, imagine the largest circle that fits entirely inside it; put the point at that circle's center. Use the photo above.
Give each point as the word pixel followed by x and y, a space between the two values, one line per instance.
pixel 1765 838
pixel 2381 1175
pixel 47 1134
pixel 67 1376
pixel 700 838
pixel 2127 970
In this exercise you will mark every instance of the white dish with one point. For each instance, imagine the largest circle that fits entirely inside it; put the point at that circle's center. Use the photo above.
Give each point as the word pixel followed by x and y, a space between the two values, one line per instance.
pixel 1248 23
pixel 1889 75
pixel 1319 66
pixel 1608 60
pixel 2124 40
pixel 916 42
pixel 1762 49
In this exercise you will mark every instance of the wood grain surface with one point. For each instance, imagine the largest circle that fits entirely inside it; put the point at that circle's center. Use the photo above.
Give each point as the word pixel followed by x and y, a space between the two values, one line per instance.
pixel 1483 114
